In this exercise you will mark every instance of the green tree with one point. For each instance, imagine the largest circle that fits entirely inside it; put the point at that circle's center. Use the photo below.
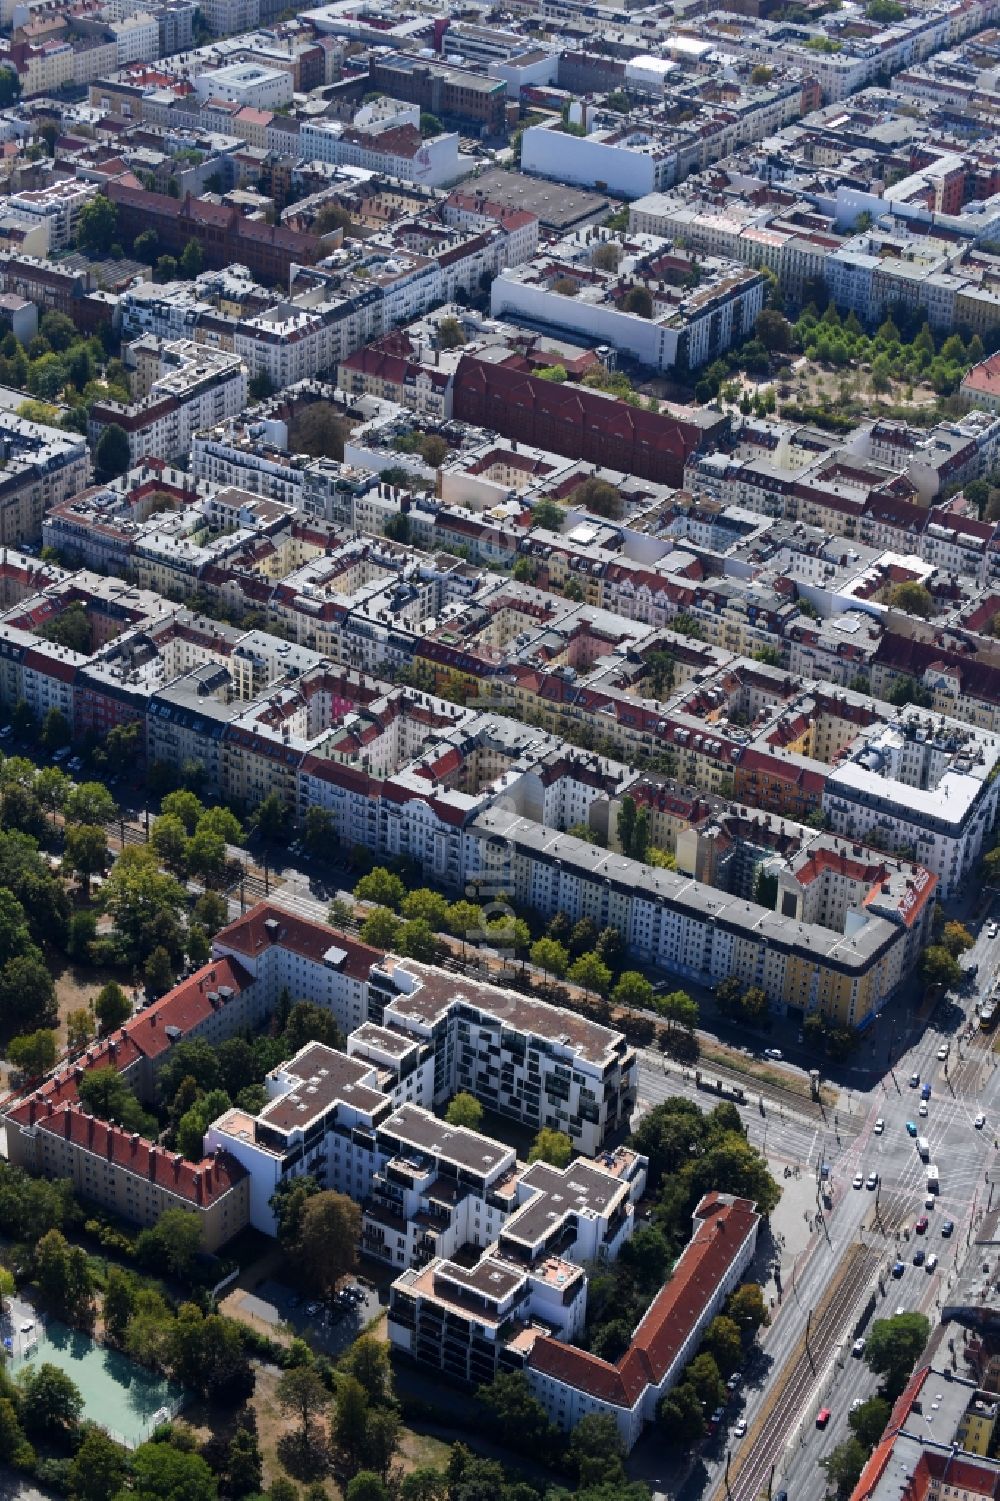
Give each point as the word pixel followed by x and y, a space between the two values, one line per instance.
pixel 868 1421
pixel 381 928
pixel 308 1022
pixel 956 938
pixel 85 851
pixel 210 912
pixel 158 971
pixel 169 839
pixel 119 1303
pixel 10 87
pixel 892 1348
pixel 172 1243
pixel 192 259
pixel 112 455
pixel 547 514
pixel 450 334
pixel 99 1466
pixel 34 1053
pixel 367 1360
pixel 162 1472
pixel 112 1006
pixel 681 1416
pixel 551 1146
pixel 244 1472
pixel 843 1465
pixel 427 906
pixel 382 887
pixel 913 598
pixel 14 1446
pixel 63 1276
pixel 318 831
pixel 79 1028
pixel 185 806
pixel 144 903
pixel 206 855
pixel 518 1417
pixel 418 940
pixel 550 957
pixel 938 966
pixel 90 803
pixel 464 1110
pixel 56 730
pixel 747 1309
pixel 722 1341
pixel 591 974
pixel 595 1451
pixel 327 1241
pixel 97 226
pixel 27 994
pixel 633 989
pixel 366 1486
pixel 50 1400
pixel 351 1415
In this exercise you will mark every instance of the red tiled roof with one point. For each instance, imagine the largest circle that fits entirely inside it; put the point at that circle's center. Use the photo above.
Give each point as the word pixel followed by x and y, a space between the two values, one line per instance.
pixel 200 1183
pixel 249 935
pixel 724 1225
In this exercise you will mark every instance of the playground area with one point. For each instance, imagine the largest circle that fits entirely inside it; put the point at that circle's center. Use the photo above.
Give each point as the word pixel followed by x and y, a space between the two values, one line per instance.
pixel 120 1395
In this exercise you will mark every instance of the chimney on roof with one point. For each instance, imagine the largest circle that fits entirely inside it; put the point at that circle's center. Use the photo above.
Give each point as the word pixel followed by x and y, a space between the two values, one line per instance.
pixel 110 1143
pixel 67 1122
pixel 90 1130
pixel 152 1162
pixel 32 1110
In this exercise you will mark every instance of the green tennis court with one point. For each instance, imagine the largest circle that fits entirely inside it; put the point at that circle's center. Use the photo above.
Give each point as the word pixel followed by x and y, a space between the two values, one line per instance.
pixel 120 1395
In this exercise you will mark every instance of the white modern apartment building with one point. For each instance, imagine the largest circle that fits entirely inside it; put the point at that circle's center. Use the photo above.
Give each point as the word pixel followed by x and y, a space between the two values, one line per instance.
pixel 695 313
pixel 247 84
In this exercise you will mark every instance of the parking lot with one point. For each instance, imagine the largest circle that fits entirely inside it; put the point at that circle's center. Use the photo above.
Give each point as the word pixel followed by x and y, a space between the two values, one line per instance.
pixel 329 1329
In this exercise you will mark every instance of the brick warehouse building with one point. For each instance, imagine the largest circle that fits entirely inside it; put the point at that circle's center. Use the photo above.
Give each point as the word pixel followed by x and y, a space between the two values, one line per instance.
pixel 225 236
pixel 504 397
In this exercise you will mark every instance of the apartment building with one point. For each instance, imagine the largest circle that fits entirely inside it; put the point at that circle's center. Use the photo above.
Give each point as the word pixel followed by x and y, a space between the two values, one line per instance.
pixel 687 318
pixel 196 387
pixel 923 784
pixel 42 466
pixel 506 1314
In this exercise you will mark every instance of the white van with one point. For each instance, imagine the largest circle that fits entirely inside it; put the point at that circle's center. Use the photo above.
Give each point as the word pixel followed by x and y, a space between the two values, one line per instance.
pixel 924 1148
pixel 933 1179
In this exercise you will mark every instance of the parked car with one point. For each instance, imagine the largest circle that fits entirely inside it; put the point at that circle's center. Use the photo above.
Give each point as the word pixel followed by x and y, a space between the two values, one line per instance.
pixel 914 1080
pixel 873 1180
pixel 740 1427
pixel 942 1052
pixel 773 1053
pixel 858 1347
pixel 991 931
pixel 980 1121
pixel 823 1417
pixel 931 1262
pixel 859 1180
pixel 879 1126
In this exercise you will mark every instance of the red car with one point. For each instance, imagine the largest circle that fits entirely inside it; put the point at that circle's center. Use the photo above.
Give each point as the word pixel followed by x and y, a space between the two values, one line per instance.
pixel 823 1417
pixel 921 1225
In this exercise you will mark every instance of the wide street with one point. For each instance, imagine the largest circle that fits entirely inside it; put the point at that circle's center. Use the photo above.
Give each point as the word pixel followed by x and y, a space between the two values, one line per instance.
pixel 842 1264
